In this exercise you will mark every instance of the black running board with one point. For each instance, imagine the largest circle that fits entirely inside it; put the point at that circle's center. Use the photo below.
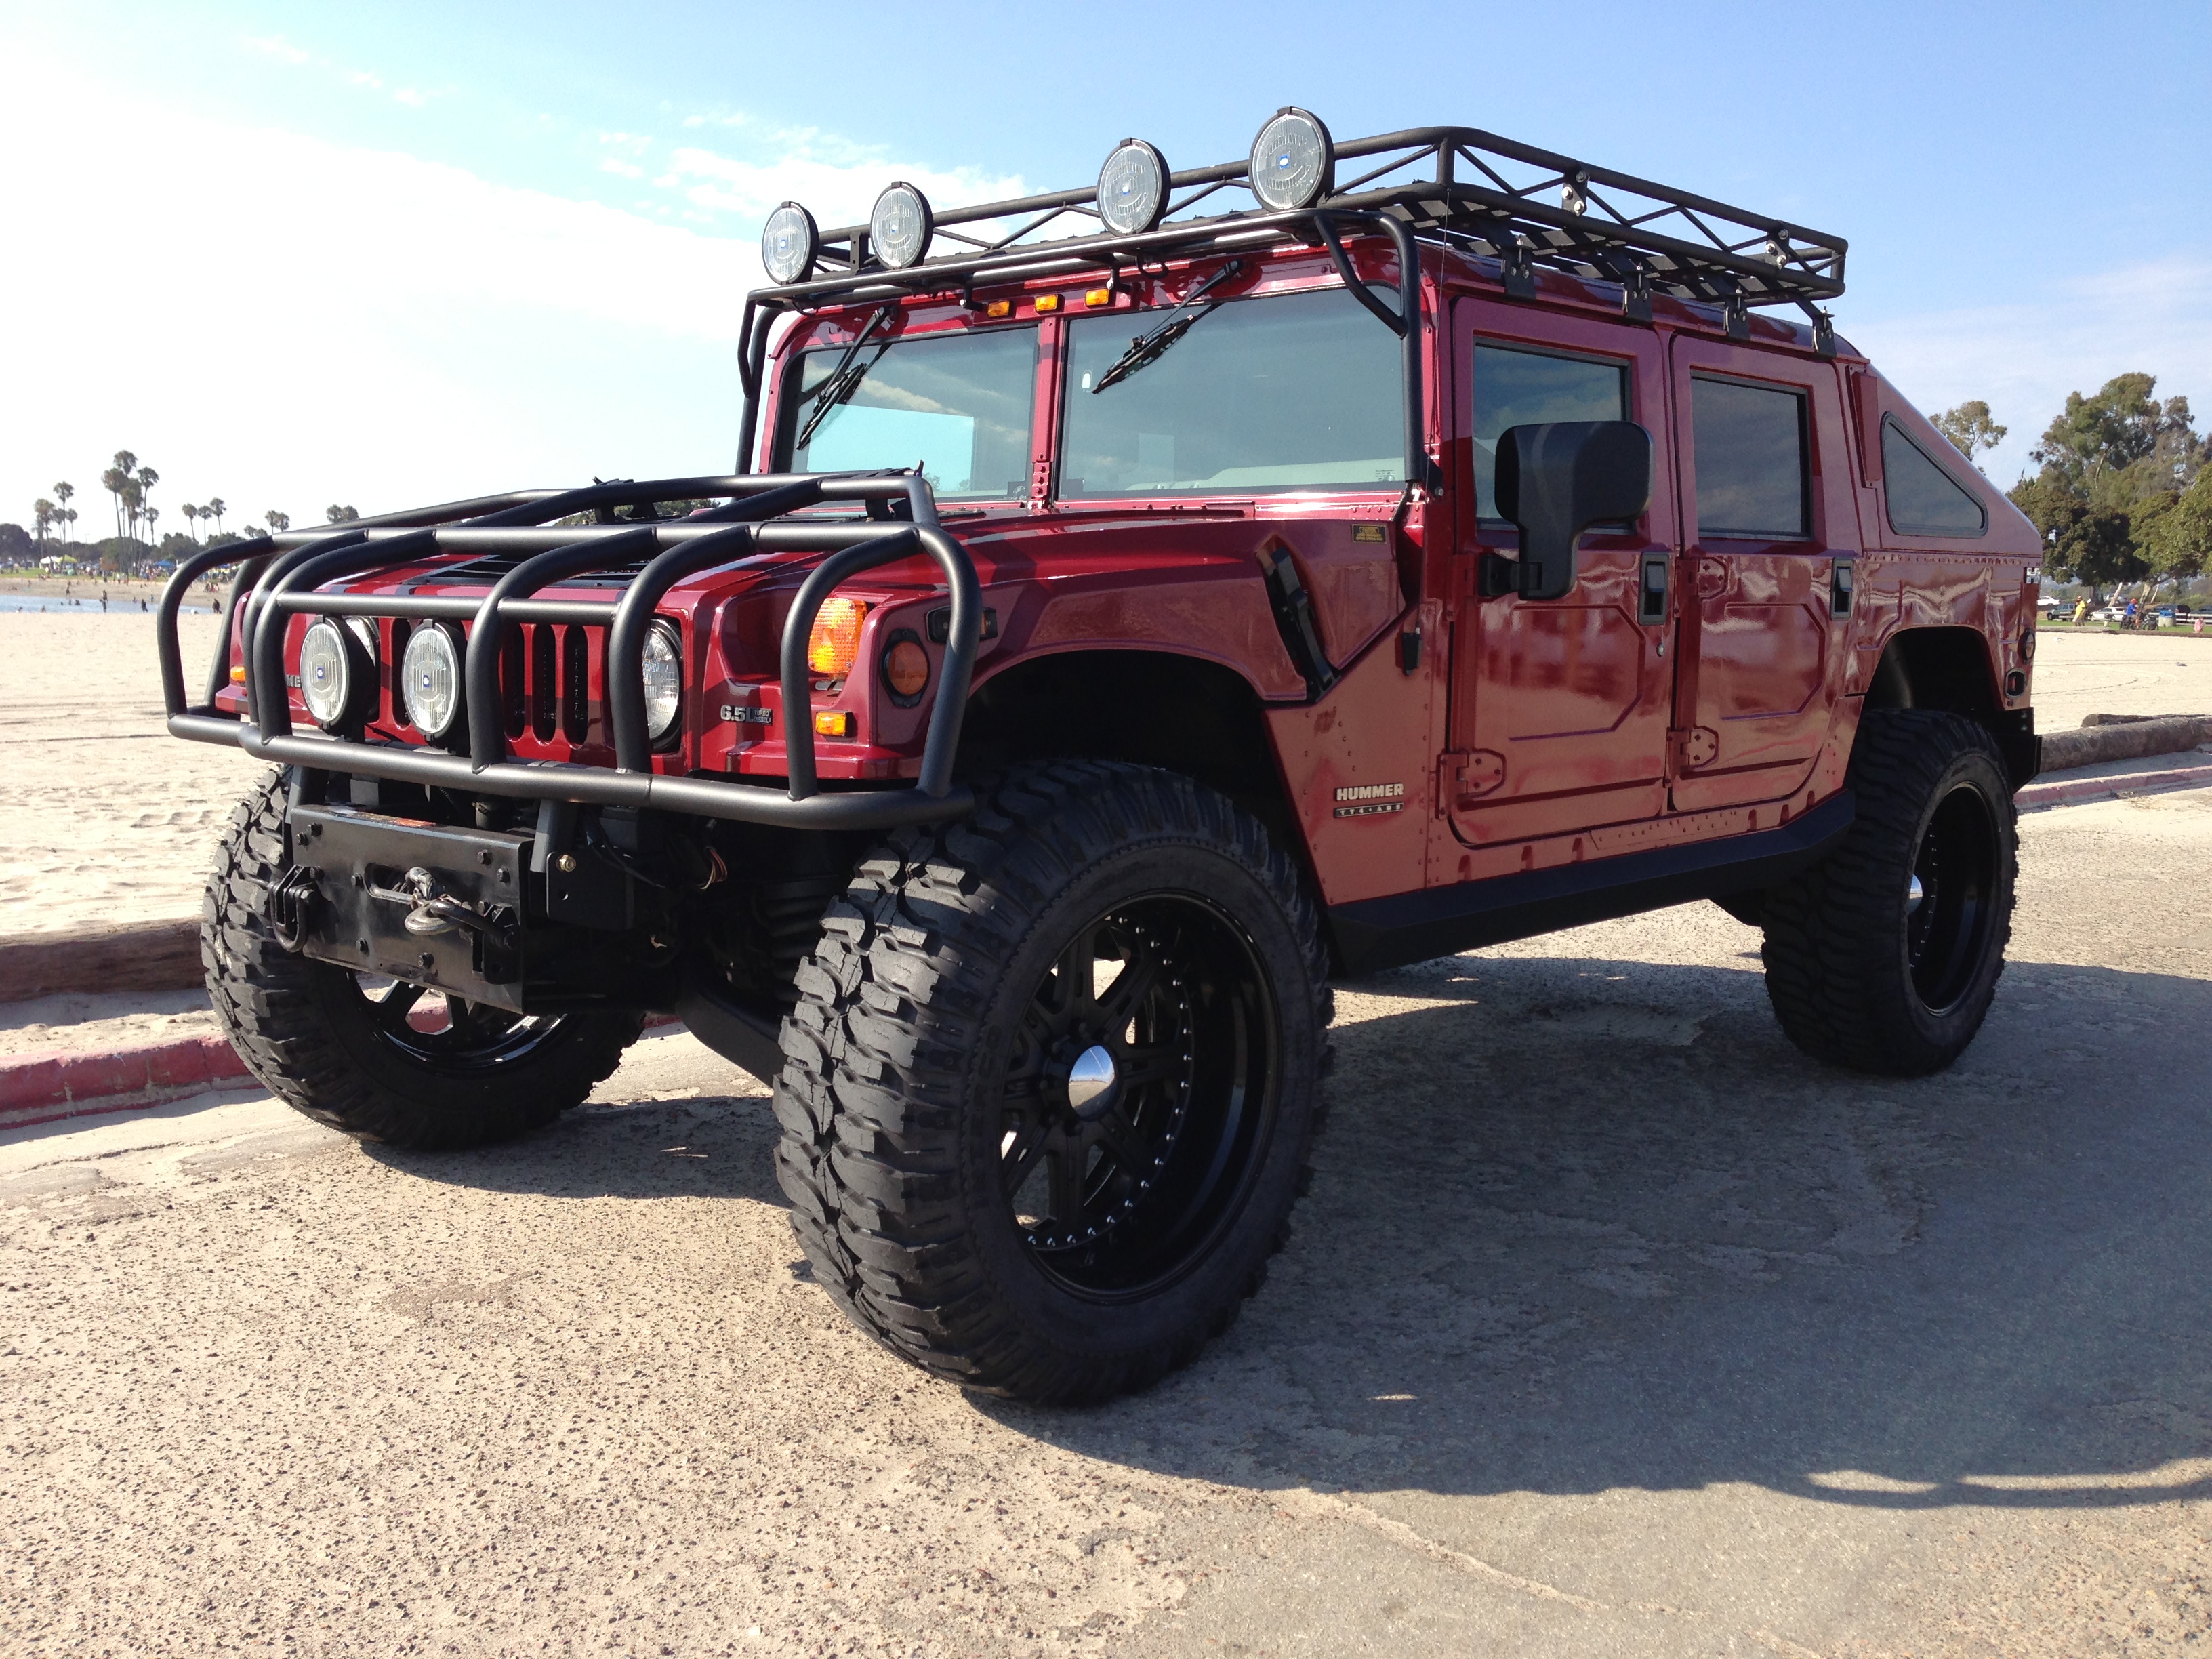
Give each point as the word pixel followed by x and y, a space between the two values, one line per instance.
pixel 1439 921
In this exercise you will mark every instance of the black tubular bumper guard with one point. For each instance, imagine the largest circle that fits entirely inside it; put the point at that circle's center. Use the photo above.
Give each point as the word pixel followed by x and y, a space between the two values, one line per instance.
pixel 275 586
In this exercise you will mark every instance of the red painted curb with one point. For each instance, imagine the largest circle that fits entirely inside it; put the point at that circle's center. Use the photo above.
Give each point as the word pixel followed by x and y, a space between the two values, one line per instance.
pixel 42 1088
pixel 2126 783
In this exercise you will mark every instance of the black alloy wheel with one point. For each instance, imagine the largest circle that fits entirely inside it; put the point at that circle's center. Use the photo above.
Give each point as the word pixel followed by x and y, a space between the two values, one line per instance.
pixel 446 1034
pixel 1950 901
pixel 1052 1080
pixel 1143 1080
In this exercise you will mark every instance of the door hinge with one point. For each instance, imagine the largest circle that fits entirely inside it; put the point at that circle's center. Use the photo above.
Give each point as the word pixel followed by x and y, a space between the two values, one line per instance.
pixel 1693 748
pixel 1465 776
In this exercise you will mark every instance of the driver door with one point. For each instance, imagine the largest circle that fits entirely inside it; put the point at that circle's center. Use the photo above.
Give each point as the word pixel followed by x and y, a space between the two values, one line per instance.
pixel 1559 706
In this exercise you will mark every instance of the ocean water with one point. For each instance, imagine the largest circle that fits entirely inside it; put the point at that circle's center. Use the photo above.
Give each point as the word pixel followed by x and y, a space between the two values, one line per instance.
pixel 78 605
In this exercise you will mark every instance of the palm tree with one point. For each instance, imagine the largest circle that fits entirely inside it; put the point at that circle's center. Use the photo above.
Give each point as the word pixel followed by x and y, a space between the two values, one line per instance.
pixel 335 515
pixel 214 508
pixel 42 515
pixel 117 479
pixel 65 516
pixel 147 479
pixel 151 513
pixel 278 522
pixel 192 512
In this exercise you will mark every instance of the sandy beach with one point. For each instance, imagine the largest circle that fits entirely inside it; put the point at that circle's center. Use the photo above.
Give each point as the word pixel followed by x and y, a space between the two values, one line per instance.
pixel 104 817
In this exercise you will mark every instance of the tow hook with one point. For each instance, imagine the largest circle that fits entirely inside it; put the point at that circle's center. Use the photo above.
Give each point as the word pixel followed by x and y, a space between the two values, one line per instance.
pixel 291 904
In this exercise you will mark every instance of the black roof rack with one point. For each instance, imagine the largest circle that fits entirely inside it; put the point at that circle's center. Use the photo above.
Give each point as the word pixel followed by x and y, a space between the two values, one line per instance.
pixel 1530 207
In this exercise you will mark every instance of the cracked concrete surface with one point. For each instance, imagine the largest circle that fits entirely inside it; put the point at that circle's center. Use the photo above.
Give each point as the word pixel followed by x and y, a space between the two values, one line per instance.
pixel 1612 1326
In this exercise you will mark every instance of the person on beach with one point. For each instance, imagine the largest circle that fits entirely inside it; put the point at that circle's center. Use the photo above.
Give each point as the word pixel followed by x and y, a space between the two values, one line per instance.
pixel 2081 610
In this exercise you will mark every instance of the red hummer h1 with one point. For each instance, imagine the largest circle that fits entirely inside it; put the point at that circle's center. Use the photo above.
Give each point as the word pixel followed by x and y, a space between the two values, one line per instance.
pixel 1132 609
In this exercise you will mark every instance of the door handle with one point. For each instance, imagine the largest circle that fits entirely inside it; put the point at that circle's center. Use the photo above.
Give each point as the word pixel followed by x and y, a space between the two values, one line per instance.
pixel 1651 588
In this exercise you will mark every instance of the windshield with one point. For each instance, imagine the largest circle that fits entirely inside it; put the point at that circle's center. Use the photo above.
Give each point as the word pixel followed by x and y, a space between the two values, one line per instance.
pixel 1290 391
pixel 959 404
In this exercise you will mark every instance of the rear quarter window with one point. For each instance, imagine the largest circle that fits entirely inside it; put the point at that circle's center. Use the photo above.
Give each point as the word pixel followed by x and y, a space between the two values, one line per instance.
pixel 1923 498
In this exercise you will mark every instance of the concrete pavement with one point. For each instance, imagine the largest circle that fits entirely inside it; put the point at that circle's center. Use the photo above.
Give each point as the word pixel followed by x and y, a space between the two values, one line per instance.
pixel 1612 1326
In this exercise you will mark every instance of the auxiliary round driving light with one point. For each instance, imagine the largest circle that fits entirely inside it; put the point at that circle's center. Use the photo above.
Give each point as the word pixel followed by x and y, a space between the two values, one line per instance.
pixel 328 673
pixel 1293 163
pixel 1133 188
pixel 900 226
pixel 663 681
pixel 430 681
pixel 789 243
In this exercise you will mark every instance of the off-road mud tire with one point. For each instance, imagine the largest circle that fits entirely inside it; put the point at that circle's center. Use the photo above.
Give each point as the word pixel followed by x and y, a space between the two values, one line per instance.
pixel 897 1053
pixel 300 1027
pixel 1838 968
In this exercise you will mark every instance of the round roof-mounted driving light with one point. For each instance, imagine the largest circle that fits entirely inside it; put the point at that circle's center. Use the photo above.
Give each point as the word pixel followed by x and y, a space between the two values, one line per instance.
pixel 1293 162
pixel 329 673
pixel 789 243
pixel 663 681
pixel 430 681
pixel 900 226
pixel 1133 188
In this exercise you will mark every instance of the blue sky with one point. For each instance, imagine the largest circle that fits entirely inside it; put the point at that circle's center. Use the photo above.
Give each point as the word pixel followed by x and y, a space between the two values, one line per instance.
pixel 385 254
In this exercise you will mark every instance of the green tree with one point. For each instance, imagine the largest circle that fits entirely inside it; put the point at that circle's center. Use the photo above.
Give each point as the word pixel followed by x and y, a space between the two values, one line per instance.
pixel 214 508
pixel 335 515
pixel 2174 535
pixel 2082 542
pixel 2112 465
pixel 66 515
pixel 278 522
pixel 192 512
pixel 1969 428
pixel 42 519
pixel 147 479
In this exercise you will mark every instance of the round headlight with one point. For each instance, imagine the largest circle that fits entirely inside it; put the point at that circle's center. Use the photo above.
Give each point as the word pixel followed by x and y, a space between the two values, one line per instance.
pixel 1293 163
pixel 1133 188
pixel 789 243
pixel 663 681
pixel 900 227
pixel 325 673
pixel 430 681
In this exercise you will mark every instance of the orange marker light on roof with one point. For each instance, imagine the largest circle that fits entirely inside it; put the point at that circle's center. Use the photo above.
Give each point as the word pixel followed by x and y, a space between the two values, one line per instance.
pixel 1099 296
pixel 835 640
pixel 1000 308
pixel 1046 302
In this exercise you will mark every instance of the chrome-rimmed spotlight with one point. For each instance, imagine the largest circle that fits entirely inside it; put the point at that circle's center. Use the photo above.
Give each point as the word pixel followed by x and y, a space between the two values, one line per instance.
pixel 789 244
pixel 1133 188
pixel 900 226
pixel 1293 163
pixel 334 670
pixel 430 680
pixel 663 672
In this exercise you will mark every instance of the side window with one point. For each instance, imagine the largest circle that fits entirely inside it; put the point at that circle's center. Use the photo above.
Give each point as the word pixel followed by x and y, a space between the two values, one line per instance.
pixel 1518 387
pixel 1750 443
pixel 1923 498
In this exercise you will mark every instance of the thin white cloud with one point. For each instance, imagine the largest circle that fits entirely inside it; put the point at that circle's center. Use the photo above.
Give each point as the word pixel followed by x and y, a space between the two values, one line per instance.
pixel 837 188
pixel 2024 358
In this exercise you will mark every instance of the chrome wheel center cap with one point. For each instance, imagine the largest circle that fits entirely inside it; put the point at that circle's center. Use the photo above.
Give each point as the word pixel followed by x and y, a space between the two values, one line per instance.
pixel 1913 895
pixel 1090 1081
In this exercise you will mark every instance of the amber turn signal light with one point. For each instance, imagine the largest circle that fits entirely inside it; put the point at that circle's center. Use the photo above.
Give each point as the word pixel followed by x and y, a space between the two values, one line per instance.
pixel 835 640
pixel 1099 296
pixel 238 674
pixel 1047 302
pixel 834 723
pixel 906 668
pixel 1000 308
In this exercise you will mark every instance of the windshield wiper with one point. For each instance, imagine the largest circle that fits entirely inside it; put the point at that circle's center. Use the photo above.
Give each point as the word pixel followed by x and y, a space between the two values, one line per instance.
pixel 1147 349
pixel 844 380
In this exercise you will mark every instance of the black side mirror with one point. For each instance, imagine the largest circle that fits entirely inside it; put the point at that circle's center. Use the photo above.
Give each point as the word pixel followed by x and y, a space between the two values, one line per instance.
pixel 1559 479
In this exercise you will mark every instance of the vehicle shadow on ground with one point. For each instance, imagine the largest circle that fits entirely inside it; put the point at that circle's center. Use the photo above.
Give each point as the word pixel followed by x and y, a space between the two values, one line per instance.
pixel 1584 1225
pixel 1606 1228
